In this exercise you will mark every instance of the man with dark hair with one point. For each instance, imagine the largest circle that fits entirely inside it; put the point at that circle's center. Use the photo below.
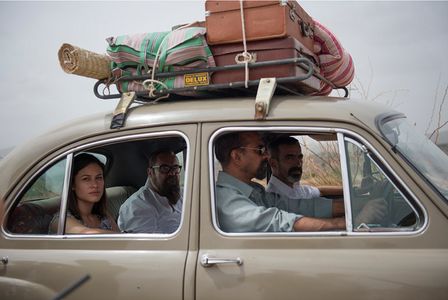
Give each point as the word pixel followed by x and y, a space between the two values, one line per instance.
pixel 243 205
pixel 157 206
pixel 225 144
pixel 285 159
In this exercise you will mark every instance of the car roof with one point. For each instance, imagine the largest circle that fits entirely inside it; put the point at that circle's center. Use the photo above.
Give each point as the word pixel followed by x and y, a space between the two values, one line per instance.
pixel 189 111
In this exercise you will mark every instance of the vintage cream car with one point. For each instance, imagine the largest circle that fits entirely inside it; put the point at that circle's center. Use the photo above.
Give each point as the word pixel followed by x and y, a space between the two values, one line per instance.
pixel 367 149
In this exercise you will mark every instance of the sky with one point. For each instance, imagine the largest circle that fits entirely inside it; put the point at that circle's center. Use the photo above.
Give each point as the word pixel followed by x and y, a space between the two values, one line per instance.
pixel 399 49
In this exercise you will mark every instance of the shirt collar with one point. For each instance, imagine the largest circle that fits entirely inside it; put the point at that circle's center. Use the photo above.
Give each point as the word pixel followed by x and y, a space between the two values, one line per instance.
pixel 148 183
pixel 277 186
pixel 162 199
pixel 227 180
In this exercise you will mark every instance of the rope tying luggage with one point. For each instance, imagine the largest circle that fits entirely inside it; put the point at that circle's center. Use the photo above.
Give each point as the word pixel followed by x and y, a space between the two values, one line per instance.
pixel 247 57
pixel 150 83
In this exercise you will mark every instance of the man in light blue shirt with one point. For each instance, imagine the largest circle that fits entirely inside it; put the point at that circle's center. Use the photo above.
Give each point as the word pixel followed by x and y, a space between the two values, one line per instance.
pixel 286 163
pixel 242 205
pixel 299 199
pixel 157 206
pixel 285 159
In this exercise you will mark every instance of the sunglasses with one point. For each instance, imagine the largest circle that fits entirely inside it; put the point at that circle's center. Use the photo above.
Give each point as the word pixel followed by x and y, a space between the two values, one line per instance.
pixel 261 150
pixel 165 169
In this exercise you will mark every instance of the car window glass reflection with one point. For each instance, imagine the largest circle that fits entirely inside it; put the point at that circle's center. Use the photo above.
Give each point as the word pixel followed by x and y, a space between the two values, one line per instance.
pixel 373 192
pixel 42 199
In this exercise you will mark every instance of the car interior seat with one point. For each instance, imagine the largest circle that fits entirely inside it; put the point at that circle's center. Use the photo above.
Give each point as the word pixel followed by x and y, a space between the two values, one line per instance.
pixel 34 217
pixel 116 196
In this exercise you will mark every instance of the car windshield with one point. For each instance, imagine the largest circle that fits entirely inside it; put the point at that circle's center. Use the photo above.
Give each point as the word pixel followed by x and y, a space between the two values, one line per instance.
pixel 422 153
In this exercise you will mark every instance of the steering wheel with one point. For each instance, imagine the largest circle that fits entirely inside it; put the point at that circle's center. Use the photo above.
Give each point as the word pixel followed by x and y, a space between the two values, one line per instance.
pixel 372 188
pixel 408 220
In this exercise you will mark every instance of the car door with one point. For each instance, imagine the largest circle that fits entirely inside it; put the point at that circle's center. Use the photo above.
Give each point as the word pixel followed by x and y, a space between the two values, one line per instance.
pixel 117 266
pixel 390 259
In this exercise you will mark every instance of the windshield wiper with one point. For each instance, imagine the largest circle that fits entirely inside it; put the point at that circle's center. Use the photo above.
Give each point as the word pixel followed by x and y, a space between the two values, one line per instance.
pixel 72 287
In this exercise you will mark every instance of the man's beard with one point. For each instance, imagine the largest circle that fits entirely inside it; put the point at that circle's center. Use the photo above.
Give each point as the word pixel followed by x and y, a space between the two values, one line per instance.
pixel 262 169
pixel 294 174
pixel 171 189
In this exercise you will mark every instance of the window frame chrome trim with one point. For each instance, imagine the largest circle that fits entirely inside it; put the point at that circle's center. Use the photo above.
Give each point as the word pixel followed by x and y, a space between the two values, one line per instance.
pixel 39 172
pixel 212 184
pixel 345 183
pixel 389 169
pixel 295 129
pixel 373 160
pixel 92 144
pixel 65 191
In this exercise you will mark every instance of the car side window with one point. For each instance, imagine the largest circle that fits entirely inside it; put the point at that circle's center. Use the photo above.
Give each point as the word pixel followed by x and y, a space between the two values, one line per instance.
pixel 369 185
pixel 305 177
pixel 40 201
pixel 115 178
pixel 302 178
pixel 321 161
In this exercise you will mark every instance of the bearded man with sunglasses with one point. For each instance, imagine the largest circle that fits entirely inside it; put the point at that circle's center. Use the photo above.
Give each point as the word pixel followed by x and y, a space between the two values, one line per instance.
pixel 243 205
pixel 157 206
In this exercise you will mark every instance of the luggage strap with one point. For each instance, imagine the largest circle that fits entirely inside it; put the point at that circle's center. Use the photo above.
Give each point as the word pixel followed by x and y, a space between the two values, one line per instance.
pixel 119 115
pixel 247 57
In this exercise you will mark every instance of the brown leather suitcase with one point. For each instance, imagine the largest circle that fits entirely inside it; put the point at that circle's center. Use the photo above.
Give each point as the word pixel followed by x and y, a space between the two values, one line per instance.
pixel 263 20
pixel 266 50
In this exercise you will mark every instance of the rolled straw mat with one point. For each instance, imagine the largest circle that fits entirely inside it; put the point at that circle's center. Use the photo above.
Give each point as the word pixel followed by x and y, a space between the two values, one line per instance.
pixel 75 60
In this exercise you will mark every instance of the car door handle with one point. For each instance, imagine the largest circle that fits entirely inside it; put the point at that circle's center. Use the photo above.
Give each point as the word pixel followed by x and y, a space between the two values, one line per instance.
pixel 207 261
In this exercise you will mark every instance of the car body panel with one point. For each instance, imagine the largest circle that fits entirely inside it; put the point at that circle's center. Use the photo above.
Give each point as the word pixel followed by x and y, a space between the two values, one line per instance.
pixel 313 266
pixel 316 267
pixel 127 266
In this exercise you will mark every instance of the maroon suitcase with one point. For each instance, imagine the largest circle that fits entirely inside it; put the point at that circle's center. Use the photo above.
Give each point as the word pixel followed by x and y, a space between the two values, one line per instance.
pixel 263 20
pixel 266 50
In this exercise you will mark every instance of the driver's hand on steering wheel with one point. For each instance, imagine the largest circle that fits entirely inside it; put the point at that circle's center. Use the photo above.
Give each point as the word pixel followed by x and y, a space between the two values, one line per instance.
pixel 372 212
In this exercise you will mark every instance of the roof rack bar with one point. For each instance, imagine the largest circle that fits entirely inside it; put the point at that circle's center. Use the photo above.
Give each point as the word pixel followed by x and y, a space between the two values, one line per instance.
pixel 291 91
pixel 211 87
pixel 302 62
pixel 298 61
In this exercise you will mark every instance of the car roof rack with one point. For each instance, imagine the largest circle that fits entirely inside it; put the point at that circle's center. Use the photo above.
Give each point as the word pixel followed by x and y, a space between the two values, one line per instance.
pixel 264 88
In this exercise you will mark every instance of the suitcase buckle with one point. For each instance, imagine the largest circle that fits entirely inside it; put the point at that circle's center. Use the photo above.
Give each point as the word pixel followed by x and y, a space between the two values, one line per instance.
pixel 292 15
pixel 306 29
